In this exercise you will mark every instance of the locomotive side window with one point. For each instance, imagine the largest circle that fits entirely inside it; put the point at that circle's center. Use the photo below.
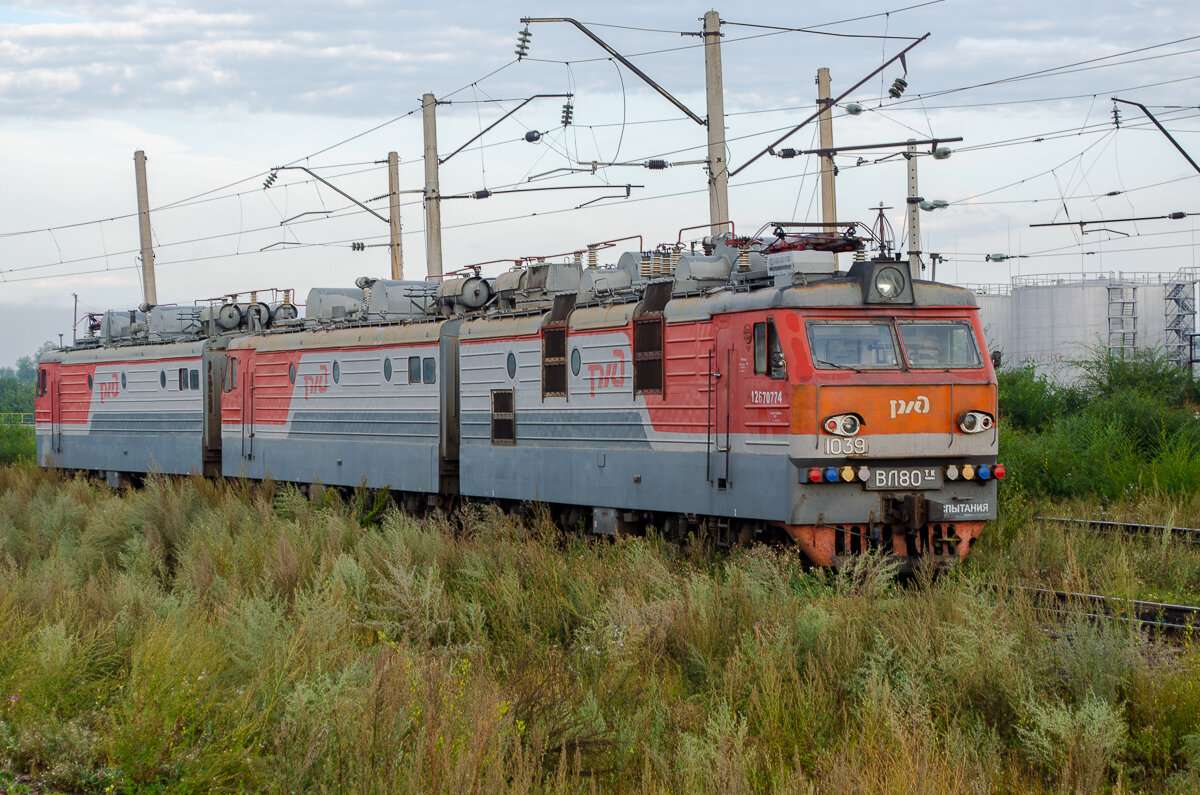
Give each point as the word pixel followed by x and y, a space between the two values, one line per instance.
pixel 554 362
pixel 183 379
pixel 648 355
pixel 845 344
pixel 194 379
pixel 41 388
pixel 429 371
pixel 504 427
pixel 414 369
pixel 768 353
pixel 231 375
pixel 940 344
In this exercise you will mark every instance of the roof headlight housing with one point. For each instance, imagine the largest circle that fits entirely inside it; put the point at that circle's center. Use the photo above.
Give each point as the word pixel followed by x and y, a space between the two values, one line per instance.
pixel 889 283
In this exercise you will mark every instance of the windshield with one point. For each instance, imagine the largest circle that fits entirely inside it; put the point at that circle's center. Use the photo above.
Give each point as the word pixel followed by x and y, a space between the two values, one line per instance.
pixel 939 344
pixel 853 344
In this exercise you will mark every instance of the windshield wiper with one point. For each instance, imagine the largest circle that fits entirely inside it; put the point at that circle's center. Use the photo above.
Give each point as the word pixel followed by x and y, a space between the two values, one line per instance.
pixel 838 366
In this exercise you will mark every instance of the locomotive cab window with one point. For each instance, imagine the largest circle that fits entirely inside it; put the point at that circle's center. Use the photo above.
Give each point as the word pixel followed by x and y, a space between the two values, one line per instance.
pixel 231 375
pixel 41 388
pixel 183 379
pixel 504 427
pixel 648 355
pixel 853 344
pixel 941 344
pixel 429 370
pixel 554 362
pixel 193 380
pixel 768 353
pixel 414 369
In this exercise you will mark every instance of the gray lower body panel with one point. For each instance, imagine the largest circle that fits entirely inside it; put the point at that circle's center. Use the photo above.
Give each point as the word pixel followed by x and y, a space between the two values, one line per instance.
pixel 758 486
pixel 401 466
pixel 169 454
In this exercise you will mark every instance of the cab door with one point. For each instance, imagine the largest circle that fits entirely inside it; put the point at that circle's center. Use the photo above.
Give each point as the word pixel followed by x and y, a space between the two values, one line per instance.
pixel 721 376
pixel 214 364
pixel 55 389
pixel 248 412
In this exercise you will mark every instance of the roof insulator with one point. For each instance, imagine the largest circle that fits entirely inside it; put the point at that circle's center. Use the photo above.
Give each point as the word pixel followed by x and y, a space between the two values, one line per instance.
pixel 656 165
pixel 523 43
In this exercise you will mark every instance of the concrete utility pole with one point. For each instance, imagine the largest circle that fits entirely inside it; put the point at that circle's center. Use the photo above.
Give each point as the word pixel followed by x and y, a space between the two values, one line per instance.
pixel 433 210
pixel 914 222
pixel 149 291
pixel 718 167
pixel 828 193
pixel 394 215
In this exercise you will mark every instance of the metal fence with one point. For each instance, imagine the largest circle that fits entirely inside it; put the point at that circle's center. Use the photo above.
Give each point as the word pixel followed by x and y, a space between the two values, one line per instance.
pixel 16 418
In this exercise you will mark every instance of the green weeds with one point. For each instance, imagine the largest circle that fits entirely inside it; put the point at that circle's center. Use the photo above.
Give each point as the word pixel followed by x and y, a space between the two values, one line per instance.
pixel 202 636
pixel 1131 425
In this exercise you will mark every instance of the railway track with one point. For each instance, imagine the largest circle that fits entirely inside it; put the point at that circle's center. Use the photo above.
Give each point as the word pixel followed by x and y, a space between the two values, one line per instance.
pixel 1166 618
pixel 1189 535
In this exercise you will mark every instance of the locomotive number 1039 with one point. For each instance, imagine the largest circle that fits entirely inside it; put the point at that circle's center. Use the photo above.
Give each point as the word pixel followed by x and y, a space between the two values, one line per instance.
pixel 839 445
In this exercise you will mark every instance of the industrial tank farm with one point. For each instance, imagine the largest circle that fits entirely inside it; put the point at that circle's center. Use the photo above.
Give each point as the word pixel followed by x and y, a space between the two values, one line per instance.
pixel 743 386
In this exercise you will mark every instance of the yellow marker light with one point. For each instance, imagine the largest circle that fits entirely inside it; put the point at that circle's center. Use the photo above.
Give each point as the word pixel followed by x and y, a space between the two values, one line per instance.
pixel 968 471
pixel 848 474
pixel 864 473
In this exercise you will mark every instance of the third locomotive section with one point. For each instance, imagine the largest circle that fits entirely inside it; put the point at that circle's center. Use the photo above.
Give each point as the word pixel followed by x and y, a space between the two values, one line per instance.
pixel 848 421
pixel 752 389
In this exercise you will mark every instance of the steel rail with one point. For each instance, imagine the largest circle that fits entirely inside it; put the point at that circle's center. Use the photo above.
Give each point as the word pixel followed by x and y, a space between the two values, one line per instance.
pixel 1159 615
pixel 1190 535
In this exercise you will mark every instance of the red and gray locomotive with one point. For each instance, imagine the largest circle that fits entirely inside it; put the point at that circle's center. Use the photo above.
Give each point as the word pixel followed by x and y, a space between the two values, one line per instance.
pixel 743 386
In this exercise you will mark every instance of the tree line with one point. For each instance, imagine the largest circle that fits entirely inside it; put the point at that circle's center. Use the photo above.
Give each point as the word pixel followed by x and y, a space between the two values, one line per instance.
pixel 17 382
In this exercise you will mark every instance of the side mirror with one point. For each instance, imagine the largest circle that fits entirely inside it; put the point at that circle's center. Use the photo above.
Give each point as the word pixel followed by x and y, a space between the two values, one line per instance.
pixel 997 356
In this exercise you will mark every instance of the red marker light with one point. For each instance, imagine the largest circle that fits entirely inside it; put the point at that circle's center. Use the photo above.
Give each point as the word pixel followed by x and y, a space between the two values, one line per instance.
pixel 998 472
pixel 831 426
pixel 814 475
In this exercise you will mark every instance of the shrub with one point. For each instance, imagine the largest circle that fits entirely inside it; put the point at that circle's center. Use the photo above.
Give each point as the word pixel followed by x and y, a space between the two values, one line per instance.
pixel 16 443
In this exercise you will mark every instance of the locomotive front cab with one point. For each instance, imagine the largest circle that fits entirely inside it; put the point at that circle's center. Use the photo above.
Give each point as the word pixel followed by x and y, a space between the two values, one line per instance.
pixel 893 420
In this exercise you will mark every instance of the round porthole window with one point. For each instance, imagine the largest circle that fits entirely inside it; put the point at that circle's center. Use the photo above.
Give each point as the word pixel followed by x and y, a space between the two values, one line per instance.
pixel 576 362
pixel 337 373
pixel 512 366
pixel 387 369
pixel 122 380
pixel 291 373
pixel 89 380
pixel 162 378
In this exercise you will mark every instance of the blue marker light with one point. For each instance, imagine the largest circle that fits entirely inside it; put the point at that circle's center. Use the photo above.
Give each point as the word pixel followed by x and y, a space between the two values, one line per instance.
pixel 984 472
pixel 831 475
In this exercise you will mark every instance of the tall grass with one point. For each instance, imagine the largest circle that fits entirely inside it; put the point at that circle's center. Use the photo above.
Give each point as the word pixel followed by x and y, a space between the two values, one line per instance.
pixel 200 636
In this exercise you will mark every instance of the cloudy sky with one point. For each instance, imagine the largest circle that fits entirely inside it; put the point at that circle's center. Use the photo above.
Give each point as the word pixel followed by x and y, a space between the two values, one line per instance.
pixel 218 94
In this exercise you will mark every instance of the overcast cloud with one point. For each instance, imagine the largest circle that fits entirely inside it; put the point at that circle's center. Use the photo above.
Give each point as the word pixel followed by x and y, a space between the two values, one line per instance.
pixel 217 93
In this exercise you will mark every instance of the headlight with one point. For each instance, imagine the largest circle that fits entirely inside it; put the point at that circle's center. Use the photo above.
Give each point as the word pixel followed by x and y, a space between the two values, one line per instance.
pixel 975 422
pixel 889 283
pixel 843 424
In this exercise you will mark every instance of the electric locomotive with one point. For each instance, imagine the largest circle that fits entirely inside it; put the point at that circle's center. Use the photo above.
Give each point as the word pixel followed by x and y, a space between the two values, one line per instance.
pixel 742 388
